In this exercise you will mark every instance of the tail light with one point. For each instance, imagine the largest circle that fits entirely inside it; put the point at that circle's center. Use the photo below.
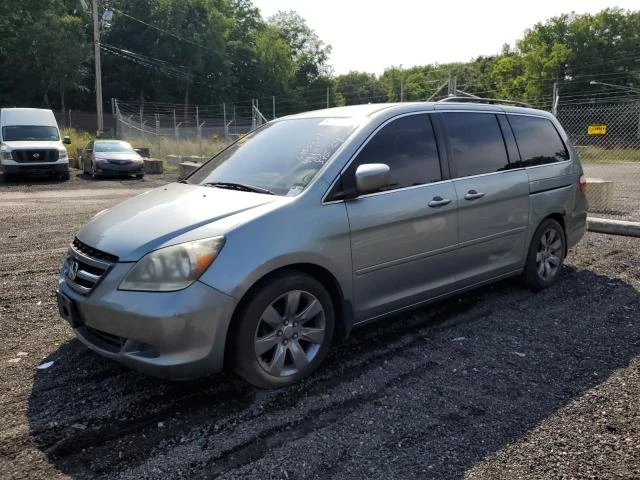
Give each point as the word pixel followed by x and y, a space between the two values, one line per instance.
pixel 582 184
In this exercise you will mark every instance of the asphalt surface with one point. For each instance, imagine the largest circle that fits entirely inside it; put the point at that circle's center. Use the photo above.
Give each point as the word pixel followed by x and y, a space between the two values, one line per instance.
pixel 500 383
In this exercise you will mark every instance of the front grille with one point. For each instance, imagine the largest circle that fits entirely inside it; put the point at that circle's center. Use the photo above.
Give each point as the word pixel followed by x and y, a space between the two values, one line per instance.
pixel 120 162
pixel 34 156
pixel 93 252
pixel 85 266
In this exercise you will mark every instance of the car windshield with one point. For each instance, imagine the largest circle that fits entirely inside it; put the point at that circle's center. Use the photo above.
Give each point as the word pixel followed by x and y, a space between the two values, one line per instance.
pixel 280 158
pixel 17 133
pixel 113 147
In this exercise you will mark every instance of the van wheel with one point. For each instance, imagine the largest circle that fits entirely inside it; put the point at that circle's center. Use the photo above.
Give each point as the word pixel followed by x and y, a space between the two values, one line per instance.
pixel 284 331
pixel 94 175
pixel 546 255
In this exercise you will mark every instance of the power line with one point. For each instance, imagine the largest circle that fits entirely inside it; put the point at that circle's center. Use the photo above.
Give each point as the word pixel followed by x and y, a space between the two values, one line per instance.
pixel 166 32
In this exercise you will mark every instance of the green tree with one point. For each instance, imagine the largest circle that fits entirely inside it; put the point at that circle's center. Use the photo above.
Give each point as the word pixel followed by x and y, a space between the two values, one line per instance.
pixel 360 87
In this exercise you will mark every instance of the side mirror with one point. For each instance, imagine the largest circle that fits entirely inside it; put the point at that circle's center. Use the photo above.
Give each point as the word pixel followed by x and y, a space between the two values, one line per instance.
pixel 66 140
pixel 371 177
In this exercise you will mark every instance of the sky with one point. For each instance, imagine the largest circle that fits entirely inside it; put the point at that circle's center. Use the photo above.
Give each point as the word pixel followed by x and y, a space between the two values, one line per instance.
pixel 370 36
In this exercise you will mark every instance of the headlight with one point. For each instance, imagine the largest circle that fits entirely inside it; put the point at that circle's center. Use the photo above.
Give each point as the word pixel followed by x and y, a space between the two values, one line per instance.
pixel 62 154
pixel 6 155
pixel 173 268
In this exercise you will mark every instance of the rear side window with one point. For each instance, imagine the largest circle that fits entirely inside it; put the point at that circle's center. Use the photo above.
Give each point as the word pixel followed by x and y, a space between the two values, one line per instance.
pixel 408 146
pixel 476 142
pixel 538 141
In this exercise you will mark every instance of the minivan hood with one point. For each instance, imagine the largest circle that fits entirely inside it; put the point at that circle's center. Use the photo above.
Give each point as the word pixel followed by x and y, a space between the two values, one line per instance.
pixel 32 144
pixel 136 226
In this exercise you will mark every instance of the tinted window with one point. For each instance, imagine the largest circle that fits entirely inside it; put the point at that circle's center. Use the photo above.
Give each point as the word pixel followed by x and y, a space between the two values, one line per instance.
pixel 476 143
pixel 408 146
pixel 538 141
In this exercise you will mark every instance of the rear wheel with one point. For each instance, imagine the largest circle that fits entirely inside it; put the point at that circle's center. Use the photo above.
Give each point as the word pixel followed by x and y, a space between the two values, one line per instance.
pixel 546 255
pixel 139 175
pixel 284 331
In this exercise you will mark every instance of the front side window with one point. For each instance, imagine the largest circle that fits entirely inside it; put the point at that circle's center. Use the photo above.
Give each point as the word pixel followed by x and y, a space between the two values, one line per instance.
pixel 476 141
pixel 280 158
pixel 408 146
pixel 538 141
pixel 19 133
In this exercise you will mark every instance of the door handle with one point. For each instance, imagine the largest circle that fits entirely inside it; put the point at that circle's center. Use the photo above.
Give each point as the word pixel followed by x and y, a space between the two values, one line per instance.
pixel 439 202
pixel 473 195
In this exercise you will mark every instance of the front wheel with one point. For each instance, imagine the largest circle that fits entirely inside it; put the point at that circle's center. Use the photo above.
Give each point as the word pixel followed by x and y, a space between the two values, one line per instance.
pixel 546 255
pixel 284 332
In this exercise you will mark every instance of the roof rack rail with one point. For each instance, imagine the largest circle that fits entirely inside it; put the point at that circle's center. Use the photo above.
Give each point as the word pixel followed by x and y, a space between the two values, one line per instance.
pixel 492 101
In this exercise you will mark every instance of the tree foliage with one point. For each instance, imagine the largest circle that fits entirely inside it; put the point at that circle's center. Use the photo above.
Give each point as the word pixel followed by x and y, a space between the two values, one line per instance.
pixel 214 51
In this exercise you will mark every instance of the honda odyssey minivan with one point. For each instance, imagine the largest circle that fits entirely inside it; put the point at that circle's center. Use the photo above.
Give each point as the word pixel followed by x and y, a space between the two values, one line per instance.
pixel 320 222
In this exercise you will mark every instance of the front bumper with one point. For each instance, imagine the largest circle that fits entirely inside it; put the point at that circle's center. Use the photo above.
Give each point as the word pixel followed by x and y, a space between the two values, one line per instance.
pixel 175 335
pixel 106 168
pixel 14 168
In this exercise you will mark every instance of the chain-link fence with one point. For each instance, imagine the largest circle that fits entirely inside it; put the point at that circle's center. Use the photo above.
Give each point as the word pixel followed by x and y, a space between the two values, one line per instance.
pixel 174 132
pixel 607 137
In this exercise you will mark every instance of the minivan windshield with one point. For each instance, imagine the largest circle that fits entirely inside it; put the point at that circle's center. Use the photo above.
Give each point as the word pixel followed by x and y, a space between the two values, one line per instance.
pixel 17 133
pixel 281 158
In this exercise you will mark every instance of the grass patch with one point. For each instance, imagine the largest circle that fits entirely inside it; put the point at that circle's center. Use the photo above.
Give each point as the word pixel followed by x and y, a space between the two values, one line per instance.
pixel 163 146
pixel 79 140
pixel 591 154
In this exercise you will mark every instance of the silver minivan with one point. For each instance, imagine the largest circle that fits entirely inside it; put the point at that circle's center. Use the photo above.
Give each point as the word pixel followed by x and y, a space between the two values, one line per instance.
pixel 320 222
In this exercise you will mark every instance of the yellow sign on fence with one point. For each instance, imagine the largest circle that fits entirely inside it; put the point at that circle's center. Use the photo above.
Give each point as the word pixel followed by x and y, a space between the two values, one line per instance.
pixel 597 129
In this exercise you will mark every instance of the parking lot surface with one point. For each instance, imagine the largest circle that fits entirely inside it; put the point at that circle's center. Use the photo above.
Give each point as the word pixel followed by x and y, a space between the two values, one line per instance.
pixel 497 383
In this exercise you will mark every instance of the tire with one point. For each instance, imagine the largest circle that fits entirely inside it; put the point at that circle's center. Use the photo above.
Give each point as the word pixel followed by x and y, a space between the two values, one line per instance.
pixel 546 255
pixel 93 173
pixel 65 176
pixel 140 176
pixel 283 332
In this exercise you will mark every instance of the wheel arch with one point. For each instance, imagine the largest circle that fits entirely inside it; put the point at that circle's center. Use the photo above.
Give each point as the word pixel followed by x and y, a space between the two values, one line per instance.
pixel 342 308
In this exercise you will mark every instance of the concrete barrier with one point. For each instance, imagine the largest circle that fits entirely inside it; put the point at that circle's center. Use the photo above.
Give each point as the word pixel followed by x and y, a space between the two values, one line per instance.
pixel 599 194
pixel 153 165
pixel 174 159
pixel 613 227
pixel 187 168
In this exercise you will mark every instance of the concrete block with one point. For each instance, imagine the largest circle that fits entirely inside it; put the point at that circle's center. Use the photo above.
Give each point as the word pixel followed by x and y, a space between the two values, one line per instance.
pixel 153 165
pixel 174 159
pixel 187 168
pixel 599 194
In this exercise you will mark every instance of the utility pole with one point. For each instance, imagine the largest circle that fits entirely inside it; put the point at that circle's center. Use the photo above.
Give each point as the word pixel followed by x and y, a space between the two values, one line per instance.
pixel 96 46
pixel 327 97
pixel 401 85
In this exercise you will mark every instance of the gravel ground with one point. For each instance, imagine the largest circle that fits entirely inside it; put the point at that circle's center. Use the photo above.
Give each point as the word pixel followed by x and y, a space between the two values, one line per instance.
pixel 499 383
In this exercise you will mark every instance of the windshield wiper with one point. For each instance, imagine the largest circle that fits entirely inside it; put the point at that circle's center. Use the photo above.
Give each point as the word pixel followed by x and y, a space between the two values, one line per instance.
pixel 238 186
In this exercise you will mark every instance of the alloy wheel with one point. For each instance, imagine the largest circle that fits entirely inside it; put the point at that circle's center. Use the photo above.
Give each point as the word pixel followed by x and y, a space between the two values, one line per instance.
pixel 290 333
pixel 549 254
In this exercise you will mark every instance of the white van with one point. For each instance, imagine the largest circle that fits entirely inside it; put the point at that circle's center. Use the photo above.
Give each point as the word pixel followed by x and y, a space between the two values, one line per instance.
pixel 30 143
